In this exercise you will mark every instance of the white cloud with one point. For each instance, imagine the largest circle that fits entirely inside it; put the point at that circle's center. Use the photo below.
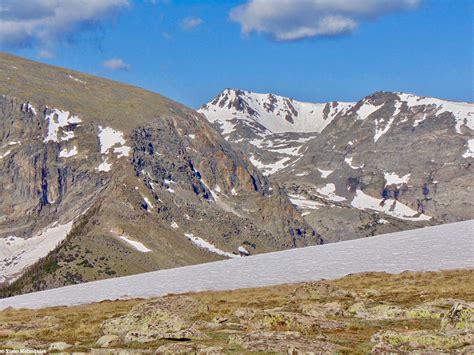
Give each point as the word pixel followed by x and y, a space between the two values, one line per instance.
pixel 191 22
pixel 116 64
pixel 287 20
pixel 46 22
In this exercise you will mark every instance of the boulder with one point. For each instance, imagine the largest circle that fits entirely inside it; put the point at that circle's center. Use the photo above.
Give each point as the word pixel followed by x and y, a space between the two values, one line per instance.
pixel 108 341
pixel 460 317
pixel 163 318
pixel 59 346
pixel 421 340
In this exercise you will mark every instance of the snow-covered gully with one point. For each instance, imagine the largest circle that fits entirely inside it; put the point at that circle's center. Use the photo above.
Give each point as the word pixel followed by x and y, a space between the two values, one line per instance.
pixel 449 246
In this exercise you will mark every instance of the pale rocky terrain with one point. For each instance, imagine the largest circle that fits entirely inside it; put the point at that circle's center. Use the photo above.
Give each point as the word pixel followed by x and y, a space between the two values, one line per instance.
pixel 364 313
pixel 335 159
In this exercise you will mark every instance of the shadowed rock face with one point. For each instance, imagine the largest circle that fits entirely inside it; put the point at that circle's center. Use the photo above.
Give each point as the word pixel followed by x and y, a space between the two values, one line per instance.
pixel 162 188
pixel 335 160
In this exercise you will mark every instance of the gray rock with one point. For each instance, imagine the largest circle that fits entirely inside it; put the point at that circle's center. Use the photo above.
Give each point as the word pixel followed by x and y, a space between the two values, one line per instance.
pixel 59 346
pixel 108 340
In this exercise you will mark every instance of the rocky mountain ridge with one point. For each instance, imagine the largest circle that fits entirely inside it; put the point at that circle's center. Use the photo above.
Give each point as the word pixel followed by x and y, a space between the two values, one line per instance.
pixel 131 176
pixel 413 153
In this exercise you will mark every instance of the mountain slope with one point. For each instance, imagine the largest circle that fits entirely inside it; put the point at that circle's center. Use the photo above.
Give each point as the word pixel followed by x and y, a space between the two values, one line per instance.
pixel 416 151
pixel 149 182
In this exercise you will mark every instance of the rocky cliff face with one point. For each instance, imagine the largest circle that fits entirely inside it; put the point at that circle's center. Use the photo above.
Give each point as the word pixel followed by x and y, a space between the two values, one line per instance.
pixel 142 182
pixel 414 153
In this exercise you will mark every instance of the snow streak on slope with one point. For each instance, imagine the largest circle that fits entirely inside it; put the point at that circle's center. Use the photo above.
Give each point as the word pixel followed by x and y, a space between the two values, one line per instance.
pixel 201 243
pixel 136 245
pixel 448 246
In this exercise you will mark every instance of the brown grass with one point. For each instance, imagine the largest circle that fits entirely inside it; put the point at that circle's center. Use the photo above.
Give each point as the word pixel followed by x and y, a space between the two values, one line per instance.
pixel 80 325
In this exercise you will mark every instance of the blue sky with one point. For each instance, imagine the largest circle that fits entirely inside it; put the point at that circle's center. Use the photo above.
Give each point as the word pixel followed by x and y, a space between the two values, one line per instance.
pixel 191 50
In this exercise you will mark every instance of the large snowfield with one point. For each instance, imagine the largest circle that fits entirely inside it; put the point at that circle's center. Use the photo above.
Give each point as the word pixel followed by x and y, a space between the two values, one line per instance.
pixel 444 247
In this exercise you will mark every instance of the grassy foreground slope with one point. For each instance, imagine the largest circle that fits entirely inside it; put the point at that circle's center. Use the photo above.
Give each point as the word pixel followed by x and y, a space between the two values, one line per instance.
pixel 431 311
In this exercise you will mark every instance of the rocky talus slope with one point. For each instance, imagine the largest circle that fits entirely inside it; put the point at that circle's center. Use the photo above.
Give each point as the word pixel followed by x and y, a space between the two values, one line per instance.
pixel 337 161
pixel 137 181
pixel 363 313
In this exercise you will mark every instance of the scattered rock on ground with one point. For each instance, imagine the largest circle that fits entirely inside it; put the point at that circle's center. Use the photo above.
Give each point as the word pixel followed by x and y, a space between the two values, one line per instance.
pixel 280 342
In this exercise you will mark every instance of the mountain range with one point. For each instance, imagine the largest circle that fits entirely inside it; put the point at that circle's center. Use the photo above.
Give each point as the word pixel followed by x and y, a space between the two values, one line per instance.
pixel 101 179
pixel 391 161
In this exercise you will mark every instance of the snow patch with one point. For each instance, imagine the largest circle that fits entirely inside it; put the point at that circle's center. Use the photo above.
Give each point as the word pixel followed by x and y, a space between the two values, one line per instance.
pixel 394 179
pixel 169 182
pixel 272 168
pixel 470 149
pixel 147 201
pixel 122 151
pixel 366 110
pixel 325 173
pixel 76 79
pixel 243 250
pixel 105 166
pixel 348 161
pixel 109 137
pixel 304 203
pixel 58 119
pixel 329 191
pixel 391 207
pixel 67 135
pixel 174 225
pixel 4 155
pixel 136 245
pixel 201 243
pixel 379 130
pixel 68 153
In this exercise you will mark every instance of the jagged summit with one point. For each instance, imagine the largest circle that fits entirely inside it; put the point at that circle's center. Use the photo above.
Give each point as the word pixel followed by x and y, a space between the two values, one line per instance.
pixel 271 113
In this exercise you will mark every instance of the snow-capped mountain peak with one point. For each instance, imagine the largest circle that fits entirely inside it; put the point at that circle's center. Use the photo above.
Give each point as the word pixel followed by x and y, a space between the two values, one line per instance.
pixel 269 112
pixel 341 161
